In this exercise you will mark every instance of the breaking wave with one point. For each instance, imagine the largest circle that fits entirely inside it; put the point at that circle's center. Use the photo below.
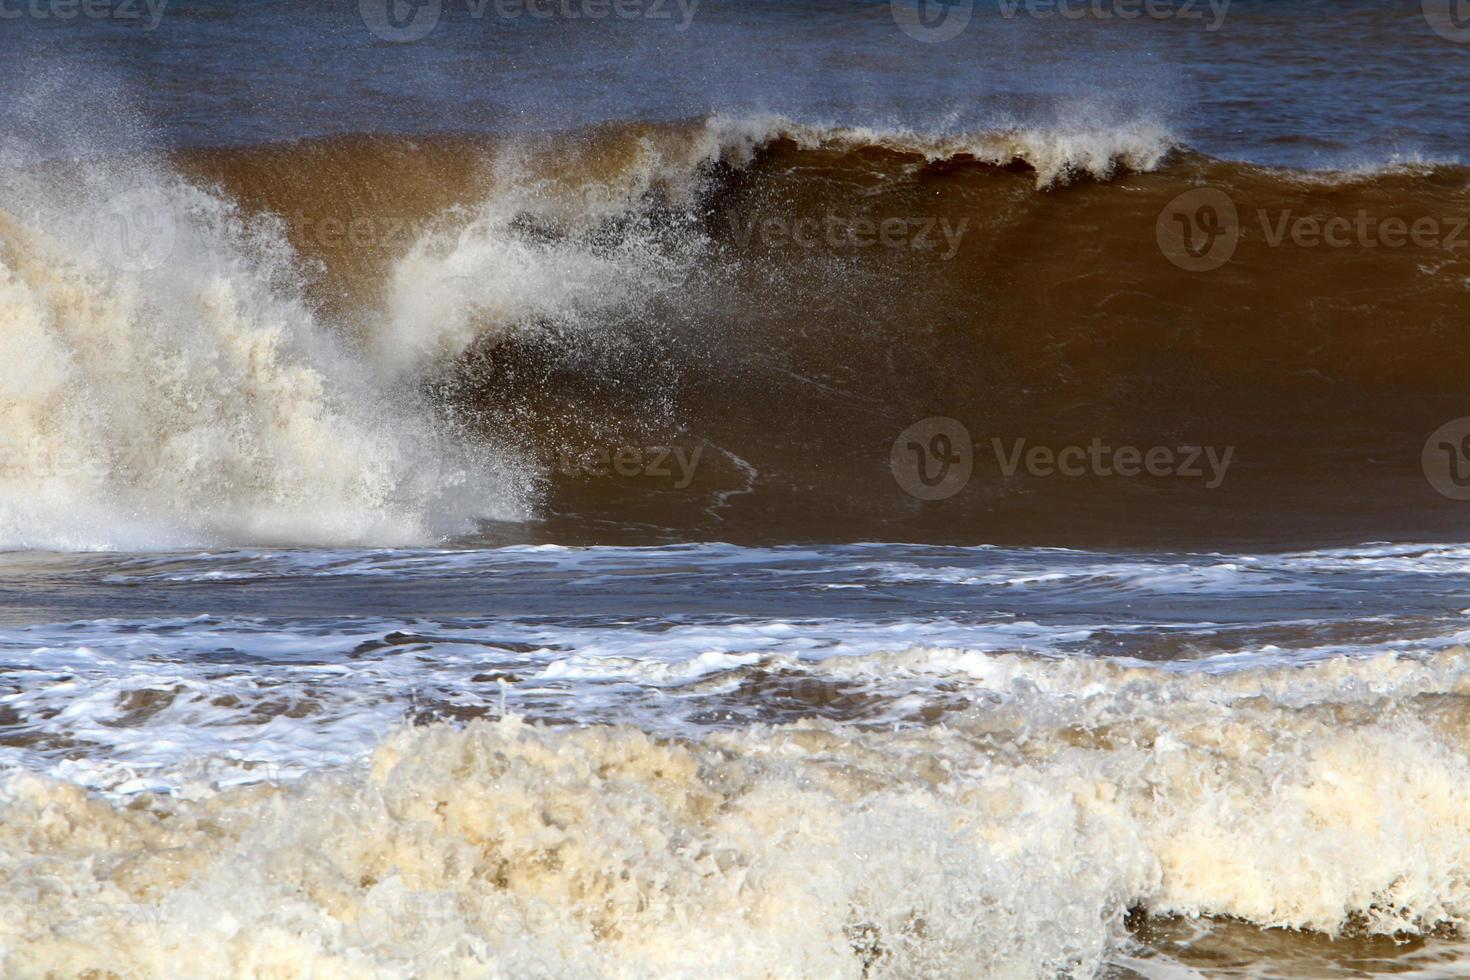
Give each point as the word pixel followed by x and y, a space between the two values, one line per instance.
pixel 194 396
pixel 374 340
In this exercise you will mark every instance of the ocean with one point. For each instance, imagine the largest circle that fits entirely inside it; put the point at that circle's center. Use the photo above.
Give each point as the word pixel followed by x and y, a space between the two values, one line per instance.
pixel 691 488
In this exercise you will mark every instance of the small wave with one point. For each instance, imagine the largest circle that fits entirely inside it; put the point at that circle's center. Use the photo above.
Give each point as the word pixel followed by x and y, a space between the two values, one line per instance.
pixel 1055 154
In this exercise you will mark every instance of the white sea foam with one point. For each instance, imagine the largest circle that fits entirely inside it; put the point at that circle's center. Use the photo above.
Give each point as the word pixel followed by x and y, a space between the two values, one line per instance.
pixel 1056 153
pixel 261 693
pixel 192 397
pixel 1008 841
pixel 483 276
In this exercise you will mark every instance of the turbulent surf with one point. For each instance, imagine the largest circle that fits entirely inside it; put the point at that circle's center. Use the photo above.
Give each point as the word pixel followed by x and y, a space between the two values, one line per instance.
pixel 782 300
pixel 799 489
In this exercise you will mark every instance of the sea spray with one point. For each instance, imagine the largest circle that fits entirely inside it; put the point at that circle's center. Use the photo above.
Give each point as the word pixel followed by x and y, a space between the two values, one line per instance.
pixel 194 397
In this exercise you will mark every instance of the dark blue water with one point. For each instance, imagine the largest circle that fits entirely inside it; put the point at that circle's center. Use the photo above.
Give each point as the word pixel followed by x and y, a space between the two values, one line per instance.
pixel 1305 83
pixel 336 647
